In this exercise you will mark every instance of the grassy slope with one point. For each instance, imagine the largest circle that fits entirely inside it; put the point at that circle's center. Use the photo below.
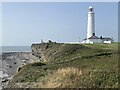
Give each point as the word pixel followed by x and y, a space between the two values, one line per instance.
pixel 72 66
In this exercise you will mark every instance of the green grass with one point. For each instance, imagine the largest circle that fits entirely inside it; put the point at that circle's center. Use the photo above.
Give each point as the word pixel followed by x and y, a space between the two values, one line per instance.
pixel 98 63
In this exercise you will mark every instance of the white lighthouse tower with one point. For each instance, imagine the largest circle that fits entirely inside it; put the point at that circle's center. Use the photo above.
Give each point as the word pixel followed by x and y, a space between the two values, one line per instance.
pixel 91 37
pixel 90 23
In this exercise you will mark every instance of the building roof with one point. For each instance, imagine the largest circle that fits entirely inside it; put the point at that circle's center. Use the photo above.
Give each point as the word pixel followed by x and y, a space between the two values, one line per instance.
pixel 108 38
pixel 93 37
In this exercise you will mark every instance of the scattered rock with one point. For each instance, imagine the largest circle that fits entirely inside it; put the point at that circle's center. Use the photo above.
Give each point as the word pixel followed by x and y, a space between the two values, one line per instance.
pixel 10 66
pixel 15 62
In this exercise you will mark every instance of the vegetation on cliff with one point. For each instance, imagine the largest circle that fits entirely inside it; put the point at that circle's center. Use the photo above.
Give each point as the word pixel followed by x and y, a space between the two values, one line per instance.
pixel 69 66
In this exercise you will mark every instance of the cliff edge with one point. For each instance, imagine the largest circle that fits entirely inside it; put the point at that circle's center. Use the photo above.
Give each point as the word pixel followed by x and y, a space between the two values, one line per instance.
pixel 70 66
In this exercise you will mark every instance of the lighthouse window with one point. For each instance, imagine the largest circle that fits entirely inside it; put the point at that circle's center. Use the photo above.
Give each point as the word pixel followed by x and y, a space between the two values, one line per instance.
pixel 91 9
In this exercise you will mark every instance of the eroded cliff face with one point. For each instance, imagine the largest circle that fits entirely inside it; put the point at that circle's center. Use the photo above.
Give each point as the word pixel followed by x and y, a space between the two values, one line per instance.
pixel 44 50
pixel 53 52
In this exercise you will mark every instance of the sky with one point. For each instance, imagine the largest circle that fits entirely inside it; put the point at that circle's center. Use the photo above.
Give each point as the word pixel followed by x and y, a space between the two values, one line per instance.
pixel 24 23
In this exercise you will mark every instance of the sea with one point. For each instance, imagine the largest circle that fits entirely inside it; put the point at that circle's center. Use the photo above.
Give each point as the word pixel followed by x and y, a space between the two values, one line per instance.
pixel 4 49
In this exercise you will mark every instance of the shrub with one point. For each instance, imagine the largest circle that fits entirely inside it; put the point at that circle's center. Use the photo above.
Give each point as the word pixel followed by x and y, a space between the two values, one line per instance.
pixel 38 64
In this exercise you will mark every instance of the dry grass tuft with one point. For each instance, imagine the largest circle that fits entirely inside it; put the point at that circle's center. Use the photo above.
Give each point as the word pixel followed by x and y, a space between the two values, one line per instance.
pixel 69 71
pixel 64 77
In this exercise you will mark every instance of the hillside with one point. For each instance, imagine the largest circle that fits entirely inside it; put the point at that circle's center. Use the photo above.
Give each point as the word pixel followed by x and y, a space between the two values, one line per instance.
pixel 69 66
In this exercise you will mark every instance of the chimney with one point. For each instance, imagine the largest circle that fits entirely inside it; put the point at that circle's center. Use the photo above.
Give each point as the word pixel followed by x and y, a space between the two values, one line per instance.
pixel 93 34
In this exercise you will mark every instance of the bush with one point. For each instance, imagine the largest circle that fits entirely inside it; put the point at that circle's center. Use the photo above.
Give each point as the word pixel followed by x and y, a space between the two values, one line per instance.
pixel 38 64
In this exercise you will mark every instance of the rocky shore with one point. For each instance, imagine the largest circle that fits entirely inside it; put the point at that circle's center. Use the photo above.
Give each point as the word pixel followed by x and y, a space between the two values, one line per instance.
pixel 10 64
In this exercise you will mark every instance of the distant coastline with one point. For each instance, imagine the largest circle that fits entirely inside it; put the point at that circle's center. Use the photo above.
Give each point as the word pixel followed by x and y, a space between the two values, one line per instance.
pixel 5 49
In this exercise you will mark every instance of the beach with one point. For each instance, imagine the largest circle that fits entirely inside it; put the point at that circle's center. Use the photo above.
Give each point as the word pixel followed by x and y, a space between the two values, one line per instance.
pixel 10 62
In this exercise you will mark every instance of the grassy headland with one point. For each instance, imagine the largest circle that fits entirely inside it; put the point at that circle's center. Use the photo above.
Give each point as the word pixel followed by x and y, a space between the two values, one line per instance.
pixel 70 66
